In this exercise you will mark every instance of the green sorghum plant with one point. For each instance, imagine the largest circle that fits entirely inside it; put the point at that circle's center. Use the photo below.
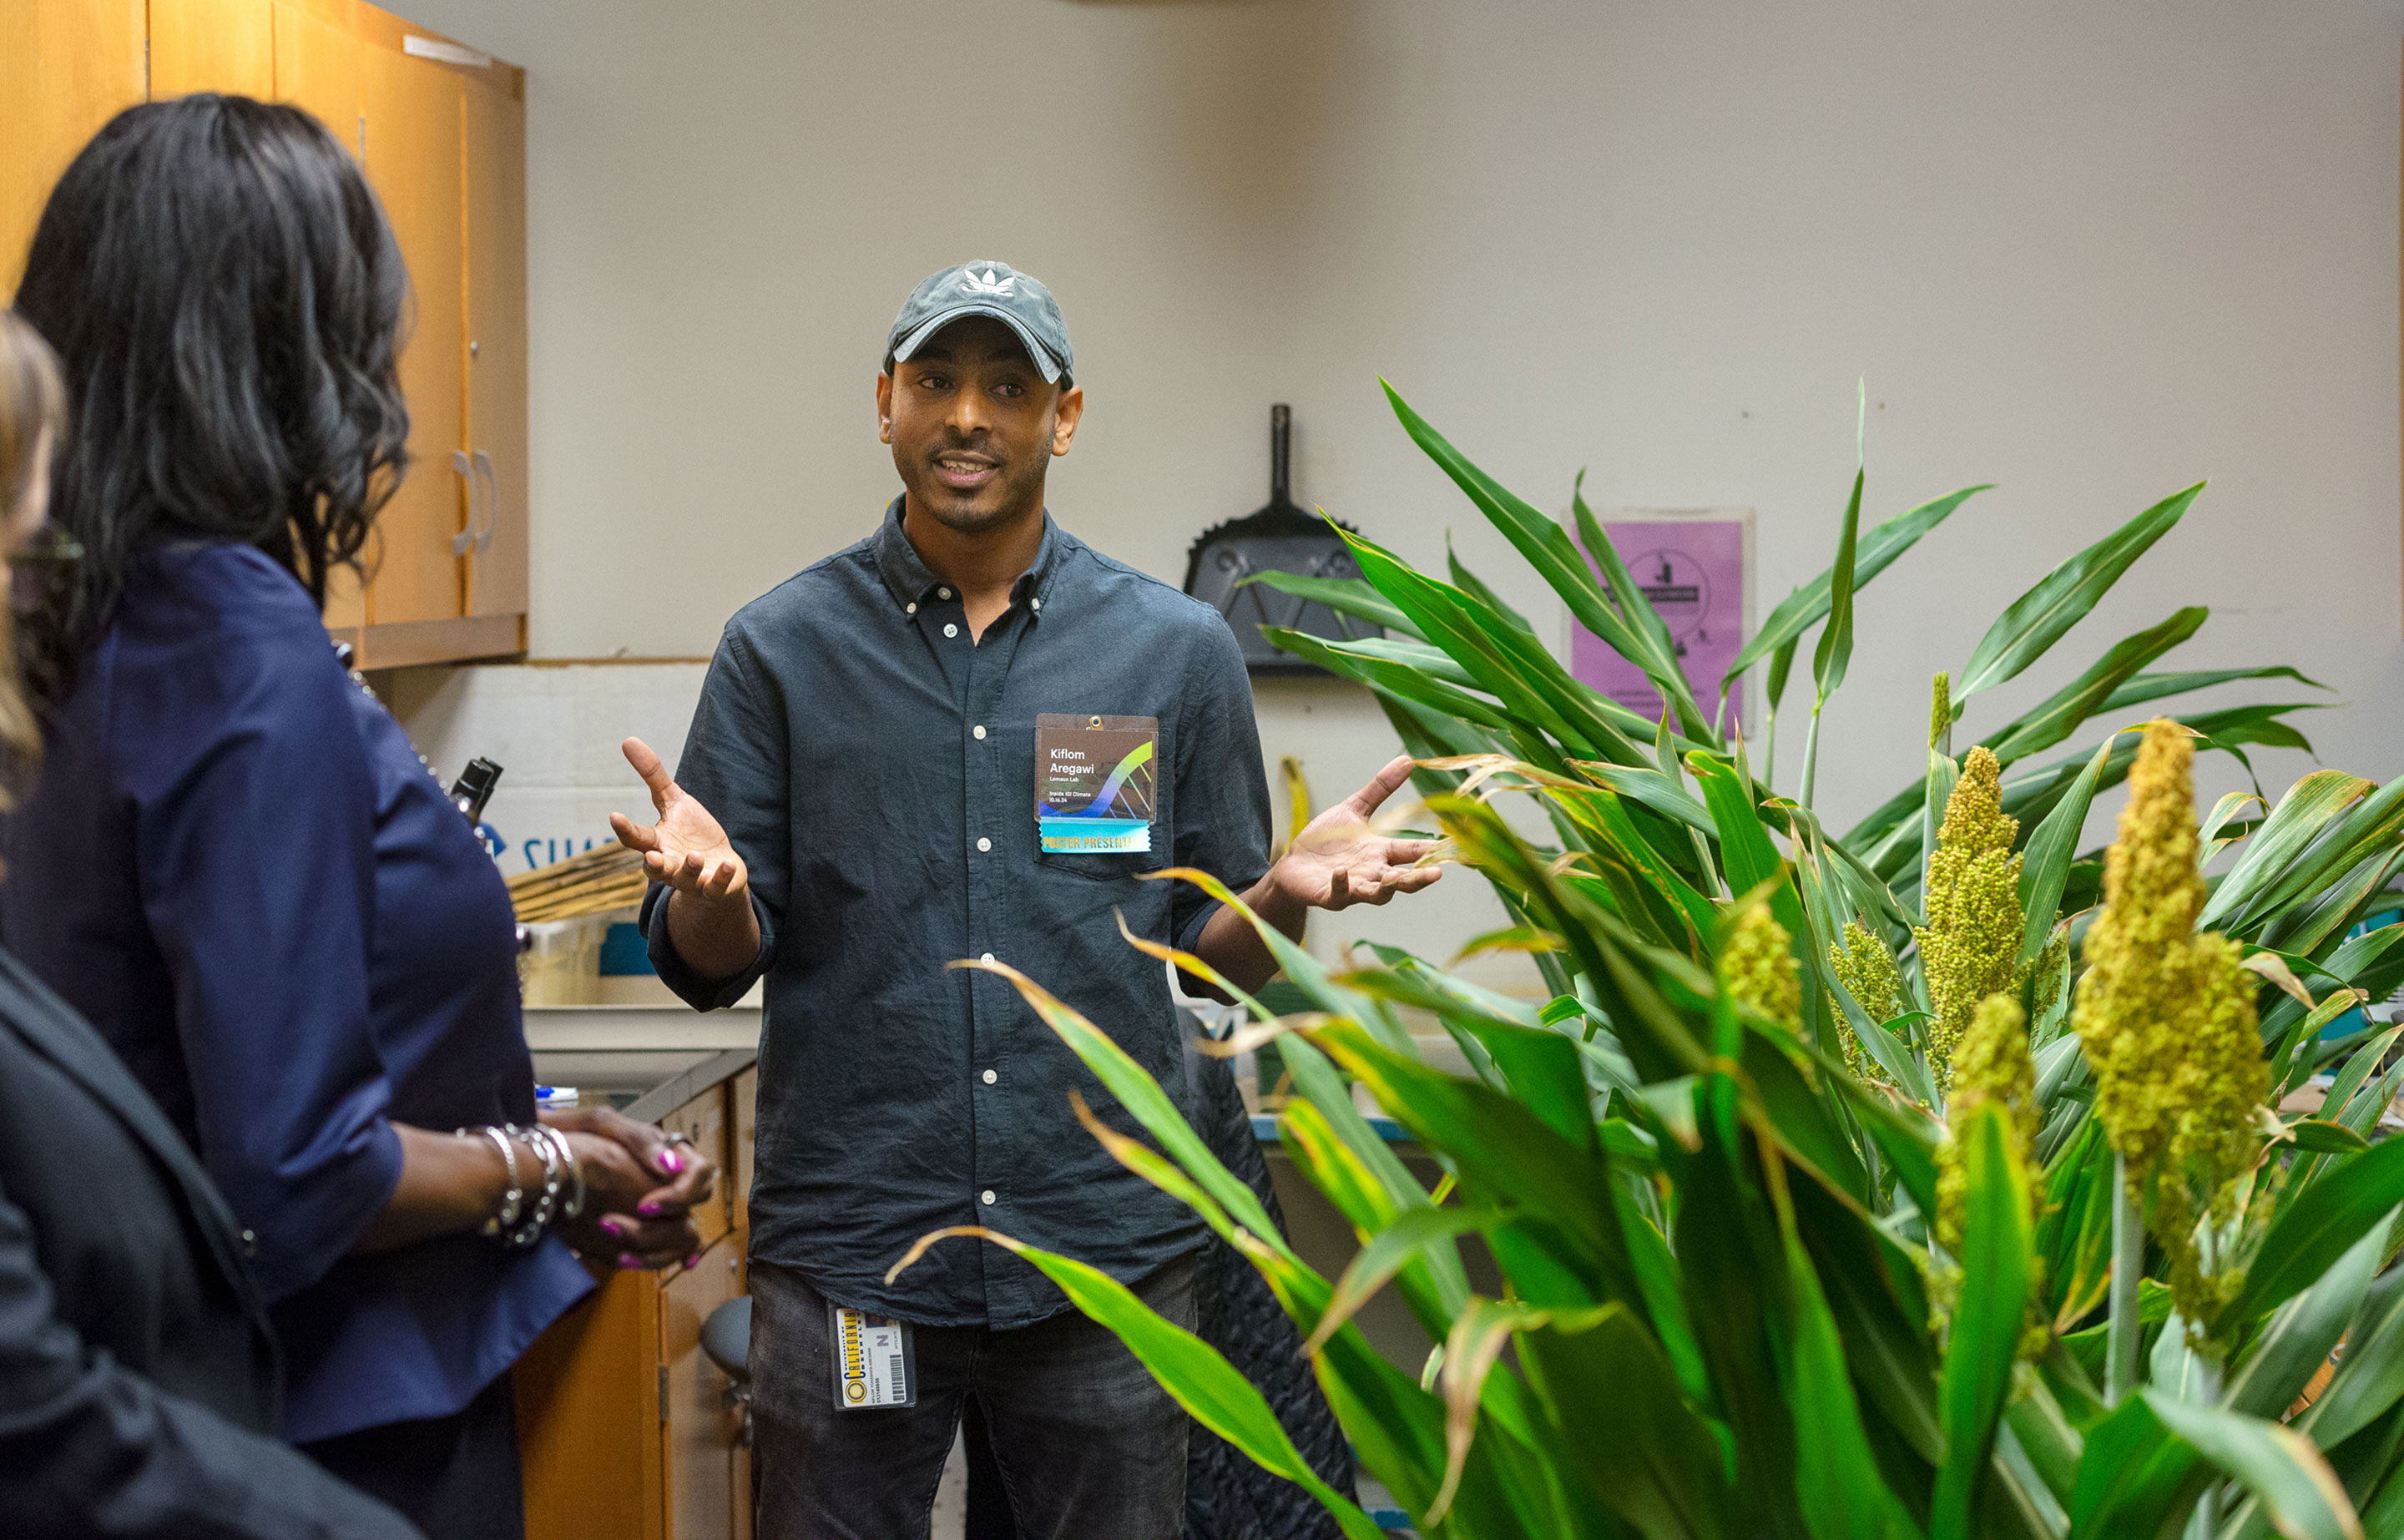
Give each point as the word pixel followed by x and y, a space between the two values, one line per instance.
pixel 1757 968
pixel 1866 970
pixel 1992 1065
pixel 1970 947
pixel 1940 709
pixel 2167 1018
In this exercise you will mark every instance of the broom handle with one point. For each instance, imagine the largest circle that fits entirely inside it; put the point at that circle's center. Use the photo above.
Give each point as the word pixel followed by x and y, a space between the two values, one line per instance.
pixel 1280 440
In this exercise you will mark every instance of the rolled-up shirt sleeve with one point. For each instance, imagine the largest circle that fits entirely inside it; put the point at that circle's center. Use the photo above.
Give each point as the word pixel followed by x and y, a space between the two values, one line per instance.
pixel 255 836
pixel 735 763
pixel 1222 794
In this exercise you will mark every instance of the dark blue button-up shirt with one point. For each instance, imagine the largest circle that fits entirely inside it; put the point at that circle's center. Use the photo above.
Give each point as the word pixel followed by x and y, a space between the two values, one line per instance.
pixel 875 768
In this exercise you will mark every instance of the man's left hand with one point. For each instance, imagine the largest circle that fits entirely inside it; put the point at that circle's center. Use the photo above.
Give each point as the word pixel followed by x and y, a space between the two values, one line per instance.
pixel 1338 860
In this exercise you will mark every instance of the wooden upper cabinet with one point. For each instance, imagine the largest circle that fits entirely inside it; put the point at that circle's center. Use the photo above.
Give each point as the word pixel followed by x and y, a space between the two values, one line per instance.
pixel 440 130
pixel 415 152
pixel 497 344
pixel 212 45
pixel 319 63
pixel 66 67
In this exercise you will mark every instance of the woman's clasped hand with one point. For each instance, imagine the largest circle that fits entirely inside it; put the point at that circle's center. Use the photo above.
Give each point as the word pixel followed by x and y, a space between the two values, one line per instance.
pixel 641 1184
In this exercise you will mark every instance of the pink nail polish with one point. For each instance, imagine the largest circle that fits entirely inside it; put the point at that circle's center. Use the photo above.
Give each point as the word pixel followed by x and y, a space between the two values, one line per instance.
pixel 628 1261
pixel 647 1210
pixel 693 1261
pixel 614 1227
pixel 671 1161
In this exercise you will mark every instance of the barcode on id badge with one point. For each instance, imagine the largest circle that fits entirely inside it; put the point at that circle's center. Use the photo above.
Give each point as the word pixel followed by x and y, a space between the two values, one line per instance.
pixel 872 1361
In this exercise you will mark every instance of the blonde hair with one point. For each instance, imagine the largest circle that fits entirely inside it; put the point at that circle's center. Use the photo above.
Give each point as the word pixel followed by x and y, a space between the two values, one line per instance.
pixel 32 403
pixel 32 417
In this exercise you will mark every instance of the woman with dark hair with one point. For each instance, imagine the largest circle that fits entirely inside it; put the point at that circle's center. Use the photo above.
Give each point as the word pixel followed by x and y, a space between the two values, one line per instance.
pixel 135 1361
pixel 235 864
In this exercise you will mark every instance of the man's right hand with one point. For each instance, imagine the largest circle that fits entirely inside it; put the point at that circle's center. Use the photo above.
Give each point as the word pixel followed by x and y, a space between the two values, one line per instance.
pixel 715 930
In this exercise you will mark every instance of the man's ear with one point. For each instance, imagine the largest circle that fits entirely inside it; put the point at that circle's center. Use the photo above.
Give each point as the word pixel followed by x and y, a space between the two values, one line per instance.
pixel 1064 424
pixel 884 409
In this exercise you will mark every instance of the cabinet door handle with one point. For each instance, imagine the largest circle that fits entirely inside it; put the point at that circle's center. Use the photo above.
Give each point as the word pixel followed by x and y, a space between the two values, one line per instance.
pixel 491 502
pixel 461 468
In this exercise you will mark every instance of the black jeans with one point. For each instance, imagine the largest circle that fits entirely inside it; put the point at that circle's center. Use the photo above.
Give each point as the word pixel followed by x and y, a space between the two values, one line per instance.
pixel 1090 1446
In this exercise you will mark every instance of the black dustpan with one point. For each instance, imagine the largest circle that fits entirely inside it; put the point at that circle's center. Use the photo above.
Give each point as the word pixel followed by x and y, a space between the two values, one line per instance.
pixel 1280 538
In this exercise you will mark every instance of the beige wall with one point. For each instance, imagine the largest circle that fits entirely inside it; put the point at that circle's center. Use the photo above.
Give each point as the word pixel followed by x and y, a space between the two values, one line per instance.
pixel 2089 252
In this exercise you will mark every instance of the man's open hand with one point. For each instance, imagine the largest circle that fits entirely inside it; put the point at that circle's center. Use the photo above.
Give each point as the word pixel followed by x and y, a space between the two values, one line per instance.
pixel 686 848
pixel 1339 860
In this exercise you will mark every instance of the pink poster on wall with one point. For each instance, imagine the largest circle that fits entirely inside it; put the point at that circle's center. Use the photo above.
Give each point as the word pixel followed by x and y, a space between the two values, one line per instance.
pixel 1693 571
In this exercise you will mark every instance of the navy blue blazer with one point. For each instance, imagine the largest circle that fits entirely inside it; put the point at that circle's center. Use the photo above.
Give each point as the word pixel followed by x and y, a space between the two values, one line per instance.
pixel 240 872
pixel 137 1378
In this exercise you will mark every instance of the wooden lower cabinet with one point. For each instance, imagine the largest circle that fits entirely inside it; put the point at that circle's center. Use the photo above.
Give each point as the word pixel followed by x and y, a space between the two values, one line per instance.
pixel 703 1431
pixel 625 1426
pixel 590 1427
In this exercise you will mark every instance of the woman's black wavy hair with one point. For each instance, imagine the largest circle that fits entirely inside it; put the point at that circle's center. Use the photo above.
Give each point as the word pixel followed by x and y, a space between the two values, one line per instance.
pixel 226 301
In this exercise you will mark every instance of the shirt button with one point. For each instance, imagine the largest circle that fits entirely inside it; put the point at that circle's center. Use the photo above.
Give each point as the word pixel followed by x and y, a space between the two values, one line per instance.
pixel 942 593
pixel 912 608
pixel 979 730
pixel 950 630
pixel 990 1077
pixel 984 844
pixel 987 958
pixel 1036 603
pixel 986 1197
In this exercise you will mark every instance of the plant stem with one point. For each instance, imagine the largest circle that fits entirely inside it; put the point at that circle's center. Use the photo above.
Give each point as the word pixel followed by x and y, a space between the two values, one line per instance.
pixel 2128 1264
pixel 2204 1524
pixel 1769 750
pixel 1812 752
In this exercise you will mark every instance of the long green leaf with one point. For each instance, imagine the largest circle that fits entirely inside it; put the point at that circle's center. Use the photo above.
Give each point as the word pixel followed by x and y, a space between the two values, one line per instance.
pixel 1844 1496
pixel 2045 863
pixel 1143 1099
pixel 1836 650
pixel 1645 625
pixel 2370 1381
pixel 1548 549
pixel 2037 619
pixel 1213 1391
pixel 1987 1317
pixel 2307 808
pixel 2296 1341
pixel 2059 715
pixel 2278 1465
pixel 1413 684
pixel 2153 687
pixel 1799 610
pixel 1413 1232
pixel 1354 596
pixel 2320 1224
pixel 1626 1433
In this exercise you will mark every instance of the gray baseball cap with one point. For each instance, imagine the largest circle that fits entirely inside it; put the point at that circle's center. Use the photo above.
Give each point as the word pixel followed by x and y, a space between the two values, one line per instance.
pixel 985 288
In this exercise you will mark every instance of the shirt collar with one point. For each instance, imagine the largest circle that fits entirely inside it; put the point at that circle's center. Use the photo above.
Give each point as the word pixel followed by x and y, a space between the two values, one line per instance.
pixel 908 579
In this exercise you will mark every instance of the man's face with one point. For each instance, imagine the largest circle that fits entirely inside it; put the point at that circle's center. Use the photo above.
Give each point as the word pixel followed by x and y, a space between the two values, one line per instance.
pixel 973 423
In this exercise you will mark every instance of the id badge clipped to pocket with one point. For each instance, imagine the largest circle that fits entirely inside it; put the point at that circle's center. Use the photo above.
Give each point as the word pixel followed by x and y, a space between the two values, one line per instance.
pixel 876 1363
pixel 1097 781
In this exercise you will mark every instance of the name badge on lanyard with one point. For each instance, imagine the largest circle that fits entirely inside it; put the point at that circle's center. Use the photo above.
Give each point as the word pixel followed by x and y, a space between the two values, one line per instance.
pixel 1096 780
pixel 872 1361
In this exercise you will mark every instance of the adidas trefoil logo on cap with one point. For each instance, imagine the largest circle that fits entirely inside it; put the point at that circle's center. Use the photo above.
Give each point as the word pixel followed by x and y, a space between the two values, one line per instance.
pixel 986 283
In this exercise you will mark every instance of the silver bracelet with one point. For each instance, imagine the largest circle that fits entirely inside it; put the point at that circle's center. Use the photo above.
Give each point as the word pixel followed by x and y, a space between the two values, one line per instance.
pixel 512 1199
pixel 575 1205
pixel 526 1236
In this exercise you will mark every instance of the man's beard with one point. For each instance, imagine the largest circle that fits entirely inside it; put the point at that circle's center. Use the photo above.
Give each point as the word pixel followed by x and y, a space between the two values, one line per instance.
pixel 1018 488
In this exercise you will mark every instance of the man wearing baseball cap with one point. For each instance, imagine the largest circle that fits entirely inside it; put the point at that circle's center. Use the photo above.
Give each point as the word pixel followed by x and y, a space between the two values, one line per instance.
pixel 969 736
